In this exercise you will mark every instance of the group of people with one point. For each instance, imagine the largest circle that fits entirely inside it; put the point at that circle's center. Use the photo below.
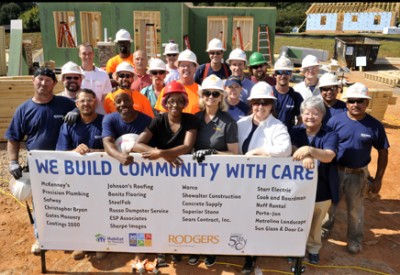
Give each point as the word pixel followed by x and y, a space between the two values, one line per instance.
pixel 180 107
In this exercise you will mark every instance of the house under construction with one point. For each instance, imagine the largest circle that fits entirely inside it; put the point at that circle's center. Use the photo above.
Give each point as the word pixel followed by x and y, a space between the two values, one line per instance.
pixel 64 25
pixel 352 17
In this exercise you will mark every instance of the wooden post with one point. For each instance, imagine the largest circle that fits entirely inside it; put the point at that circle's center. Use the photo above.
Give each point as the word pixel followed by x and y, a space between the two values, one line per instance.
pixel 15 54
pixel 3 63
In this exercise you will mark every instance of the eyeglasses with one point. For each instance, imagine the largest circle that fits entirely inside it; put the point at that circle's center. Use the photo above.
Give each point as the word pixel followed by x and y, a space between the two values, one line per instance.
pixel 261 102
pixel 172 54
pixel 172 102
pixel 283 72
pixel 215 94
pixel 352 101
pixel 257 66
pixel 157 72
pixel 327 89
pixel 88 100
pixel 72 77
pixel 215 53
pixel 190 65
pixel 125 76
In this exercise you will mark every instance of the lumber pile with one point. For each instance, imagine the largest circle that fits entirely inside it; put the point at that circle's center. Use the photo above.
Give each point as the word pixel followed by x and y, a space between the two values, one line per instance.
pixel 14 90
pixel 390 78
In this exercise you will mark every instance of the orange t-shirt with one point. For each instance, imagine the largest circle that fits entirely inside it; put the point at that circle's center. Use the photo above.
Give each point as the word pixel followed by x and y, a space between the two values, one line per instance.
pixel 113 62
pixel 140 102
pixel 192 107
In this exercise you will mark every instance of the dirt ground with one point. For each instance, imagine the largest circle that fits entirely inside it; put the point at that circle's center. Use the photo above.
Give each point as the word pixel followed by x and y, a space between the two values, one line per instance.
pixel 379 256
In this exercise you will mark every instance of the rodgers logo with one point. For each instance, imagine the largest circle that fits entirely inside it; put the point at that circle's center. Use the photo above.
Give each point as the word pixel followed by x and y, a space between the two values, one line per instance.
pixel 197 239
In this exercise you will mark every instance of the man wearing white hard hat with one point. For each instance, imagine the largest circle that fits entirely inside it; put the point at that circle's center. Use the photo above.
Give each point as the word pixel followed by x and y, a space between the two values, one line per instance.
pixel 216 66
pixel 124 76
pixel 124 41
pixel 288 101
pixel 358 133
pixel 310 69
pixel 237 63
pixel 187 64
pixel 328 85
pixel 171 53
pixel 71 76
pixel 158 72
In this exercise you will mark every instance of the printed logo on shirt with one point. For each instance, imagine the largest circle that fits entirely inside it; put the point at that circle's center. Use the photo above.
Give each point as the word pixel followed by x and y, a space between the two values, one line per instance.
pixel 58 116
pixel 365 136
pixel 289 106
pixel 97 137
pixel 217 129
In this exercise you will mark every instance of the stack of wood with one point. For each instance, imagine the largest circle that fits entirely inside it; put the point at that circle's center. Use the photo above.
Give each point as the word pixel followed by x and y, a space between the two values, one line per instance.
pixel 14 90
pixel 390 78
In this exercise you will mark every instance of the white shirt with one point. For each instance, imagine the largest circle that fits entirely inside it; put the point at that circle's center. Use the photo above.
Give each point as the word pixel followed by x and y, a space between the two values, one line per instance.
pixel 271 134
pixel 305 91
pixel 173 74
pixel 98 81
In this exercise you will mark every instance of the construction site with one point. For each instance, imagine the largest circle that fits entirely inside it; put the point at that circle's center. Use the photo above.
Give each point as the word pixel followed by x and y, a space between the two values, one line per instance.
pixel 66 25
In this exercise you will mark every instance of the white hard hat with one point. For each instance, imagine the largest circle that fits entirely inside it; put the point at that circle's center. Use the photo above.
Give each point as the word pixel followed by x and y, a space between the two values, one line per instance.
pixel 328 79
pixel 125 66
pixel 237 54
pixel 357 90
pixel 171 48
pixel 21 188
pixel 71 68
pixel 215 44
pixel 309 61
pixel 283 63
pixel 188 55
pixel 156 64
pixel 123 35
pixel 212 82
pixel 126 142
pixel 261 90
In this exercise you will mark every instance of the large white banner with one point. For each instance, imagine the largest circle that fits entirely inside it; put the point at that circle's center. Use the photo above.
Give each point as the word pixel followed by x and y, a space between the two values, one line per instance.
pixel 233 205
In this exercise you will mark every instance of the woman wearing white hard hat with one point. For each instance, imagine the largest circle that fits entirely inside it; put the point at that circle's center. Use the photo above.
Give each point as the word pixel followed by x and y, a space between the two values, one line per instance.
pixel 216 65
pixel 158 71
pixel 261 134
pixel 310 69
pixel 329 88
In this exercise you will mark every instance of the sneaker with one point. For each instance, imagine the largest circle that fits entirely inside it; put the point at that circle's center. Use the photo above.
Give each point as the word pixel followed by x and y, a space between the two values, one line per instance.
pixel 354 247
pixel 161 258
pixel 248 267
pixel 176 258
pixel 313 258
pixel 78 254
pixel 210 261
pixel 101 255
pixel 193 259
pixel 35 250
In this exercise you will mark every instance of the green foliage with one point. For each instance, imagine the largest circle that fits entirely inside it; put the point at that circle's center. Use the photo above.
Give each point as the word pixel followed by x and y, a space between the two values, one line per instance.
pixel 31 19
pixel 9 12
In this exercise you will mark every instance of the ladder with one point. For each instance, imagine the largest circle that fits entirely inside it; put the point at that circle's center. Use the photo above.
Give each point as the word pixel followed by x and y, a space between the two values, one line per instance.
pixel 238 34
pixel 186 39
pixel 264 46
pixel 150 42
pixel 64 32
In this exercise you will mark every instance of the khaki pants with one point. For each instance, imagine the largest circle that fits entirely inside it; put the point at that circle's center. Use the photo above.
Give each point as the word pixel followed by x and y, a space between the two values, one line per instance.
pixel 314 242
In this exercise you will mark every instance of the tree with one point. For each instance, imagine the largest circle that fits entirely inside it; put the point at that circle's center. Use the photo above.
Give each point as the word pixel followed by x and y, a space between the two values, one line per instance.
pixel 9 12
pixel 31 19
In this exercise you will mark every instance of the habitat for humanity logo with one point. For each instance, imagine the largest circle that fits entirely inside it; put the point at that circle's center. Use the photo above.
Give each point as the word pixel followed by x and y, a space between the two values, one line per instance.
pixel 140 239
pixel 100 238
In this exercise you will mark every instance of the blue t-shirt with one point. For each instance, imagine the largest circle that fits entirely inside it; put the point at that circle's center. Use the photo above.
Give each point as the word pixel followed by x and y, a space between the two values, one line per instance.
pixel 114 126
pixel 247 84
pixel 39 122
pixel 356 139
pixel 198 76
pixel 87 133
pixel 328 177
pixel 287 106
pixel 339 107
pixel 238 111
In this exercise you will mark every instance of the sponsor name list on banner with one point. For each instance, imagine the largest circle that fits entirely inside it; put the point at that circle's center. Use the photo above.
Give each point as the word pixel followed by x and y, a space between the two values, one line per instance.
pixel 233 205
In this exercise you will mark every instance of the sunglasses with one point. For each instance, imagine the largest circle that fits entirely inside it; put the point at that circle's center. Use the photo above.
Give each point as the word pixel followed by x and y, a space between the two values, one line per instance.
pixel 257 66
pixel 327 89
pixel 260 102
pixel 172 54
pixel 215 53
pixel 214 94
pixel 124 76
pixel 352 101
pixel 72 77
pixel 157 72
pixel 283 72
